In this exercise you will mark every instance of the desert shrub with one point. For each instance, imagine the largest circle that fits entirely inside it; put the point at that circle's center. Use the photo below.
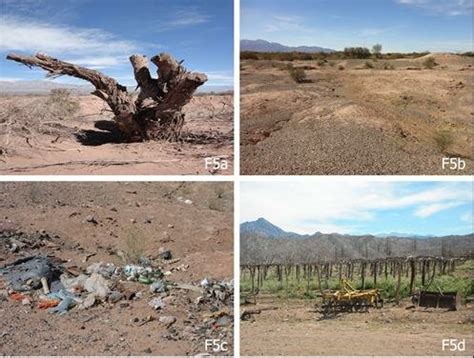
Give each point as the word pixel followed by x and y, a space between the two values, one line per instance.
pixel 368 64
pixel 134 244
pixel 388 66
pixel 468 54
pixel 341 68
pixel 356 52
pixel 40 115
pixel 249 55
pixel 443 138
pixel 297 74
pixel 322 62
pixel 306 57
pixel 332 63
pixel 61 104
pixel 429 63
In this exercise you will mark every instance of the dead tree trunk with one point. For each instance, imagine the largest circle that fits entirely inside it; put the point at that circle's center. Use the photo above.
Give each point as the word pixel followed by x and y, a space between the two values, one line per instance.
pixel 156 113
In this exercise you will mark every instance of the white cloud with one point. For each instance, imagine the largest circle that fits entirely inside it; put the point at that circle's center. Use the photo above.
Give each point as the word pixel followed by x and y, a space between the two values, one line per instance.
pixel 10 79
pixel 220 77
pixel 302 206
pixel 99 62
pixel 425 211
pixel 284 23
pixel 22 34
pixel 441 7
pixel 184 18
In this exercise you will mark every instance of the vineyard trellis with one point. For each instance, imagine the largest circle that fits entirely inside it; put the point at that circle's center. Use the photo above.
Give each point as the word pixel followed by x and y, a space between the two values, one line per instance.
pixel 410 267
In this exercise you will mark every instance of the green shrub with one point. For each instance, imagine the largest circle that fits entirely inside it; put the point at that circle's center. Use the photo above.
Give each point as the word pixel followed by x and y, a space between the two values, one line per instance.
pixel 249 55
pixel 297 74
pixel 443 138
pixel 429 63
pixel 357 52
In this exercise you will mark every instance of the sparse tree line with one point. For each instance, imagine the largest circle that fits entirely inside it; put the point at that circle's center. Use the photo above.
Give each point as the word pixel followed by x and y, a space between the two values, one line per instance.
pixel 347 53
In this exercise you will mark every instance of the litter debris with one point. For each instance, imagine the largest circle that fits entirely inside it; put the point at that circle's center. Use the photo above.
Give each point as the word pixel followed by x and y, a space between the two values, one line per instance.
pixel 115 296
pixel 74 284
pixel 146 275
pixel 107 270
pixel 27 273
pixel 158 286
pixel 15 296
pixel 157 303
pixel 68 300
pixel 98 285
pixel 47 303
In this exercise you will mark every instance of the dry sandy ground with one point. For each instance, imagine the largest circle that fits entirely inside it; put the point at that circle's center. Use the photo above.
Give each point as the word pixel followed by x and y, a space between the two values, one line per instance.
pixel 87 143
pixel 295 330
pixel 131 218
pixel 357 120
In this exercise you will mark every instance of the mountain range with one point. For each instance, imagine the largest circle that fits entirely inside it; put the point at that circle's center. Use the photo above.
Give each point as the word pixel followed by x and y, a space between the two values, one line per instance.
pixel 266 46
pixel 262 241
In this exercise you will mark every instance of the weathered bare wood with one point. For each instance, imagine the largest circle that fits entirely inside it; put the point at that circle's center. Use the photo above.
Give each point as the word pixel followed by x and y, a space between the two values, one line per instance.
pixel 157 111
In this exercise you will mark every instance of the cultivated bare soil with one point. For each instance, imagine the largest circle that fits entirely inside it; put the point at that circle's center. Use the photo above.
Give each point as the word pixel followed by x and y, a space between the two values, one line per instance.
pixel 36 142
pixel 349 119
pixel 295 329
pixel 193 220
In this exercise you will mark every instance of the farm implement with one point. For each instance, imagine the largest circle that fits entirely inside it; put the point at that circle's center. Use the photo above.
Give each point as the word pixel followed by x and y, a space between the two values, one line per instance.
pixel 348 299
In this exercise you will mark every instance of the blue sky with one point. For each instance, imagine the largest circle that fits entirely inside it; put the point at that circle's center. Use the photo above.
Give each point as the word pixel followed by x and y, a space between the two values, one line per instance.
pixel 399 25
pixel 361 207
pixel 103 34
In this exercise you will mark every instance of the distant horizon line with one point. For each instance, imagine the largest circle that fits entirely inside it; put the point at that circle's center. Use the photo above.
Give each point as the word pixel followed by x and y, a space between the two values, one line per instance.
pixel 342 50
pixel 409 235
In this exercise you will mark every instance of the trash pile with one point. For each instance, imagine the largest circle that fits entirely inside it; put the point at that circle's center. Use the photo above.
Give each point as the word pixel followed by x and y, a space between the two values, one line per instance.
pixel 42 282
pixel 193 311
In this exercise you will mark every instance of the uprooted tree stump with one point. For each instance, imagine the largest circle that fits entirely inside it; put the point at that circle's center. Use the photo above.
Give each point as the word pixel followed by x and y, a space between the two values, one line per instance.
pixel 156 113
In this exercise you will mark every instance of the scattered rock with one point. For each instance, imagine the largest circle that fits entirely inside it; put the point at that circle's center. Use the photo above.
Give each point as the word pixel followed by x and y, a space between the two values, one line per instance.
pixel 91 219
pixel 167 320
pixel 165 254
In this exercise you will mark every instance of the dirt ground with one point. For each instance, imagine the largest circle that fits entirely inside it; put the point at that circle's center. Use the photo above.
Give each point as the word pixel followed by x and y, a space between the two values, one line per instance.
pixel 193 220
pixel 88 142
pixel 357 121
pixel 295 329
